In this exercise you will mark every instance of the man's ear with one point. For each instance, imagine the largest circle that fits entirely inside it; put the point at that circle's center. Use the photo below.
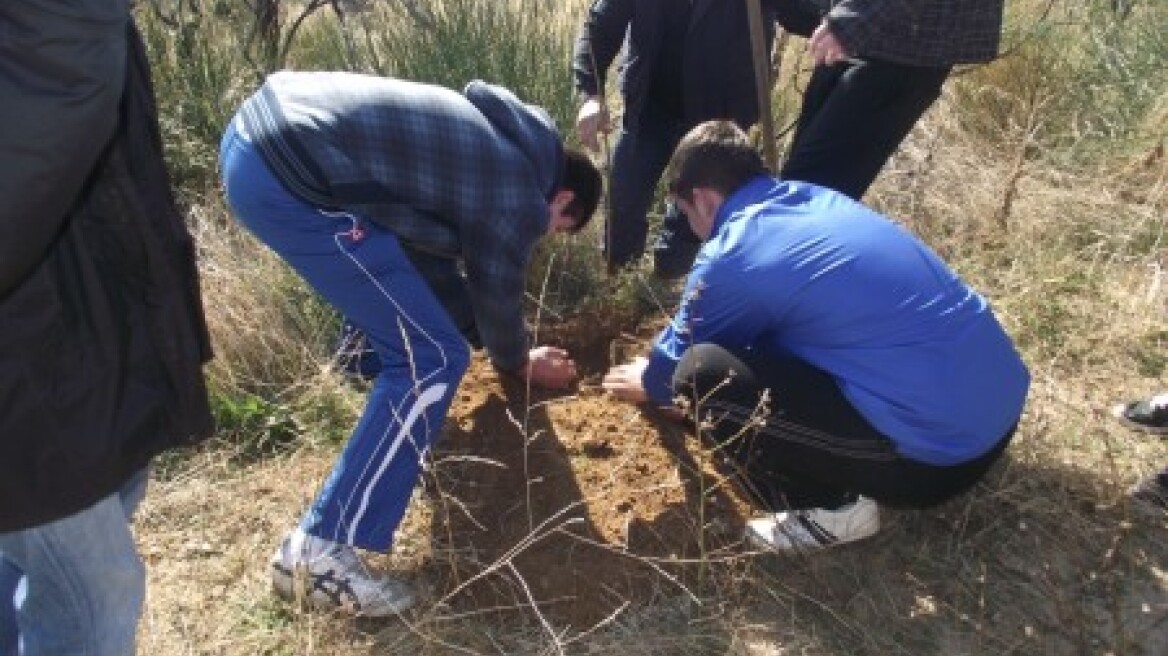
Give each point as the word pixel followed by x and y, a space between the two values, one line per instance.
pixel 560 221
pixel 708 199
pixel 706 202
pixel 561 200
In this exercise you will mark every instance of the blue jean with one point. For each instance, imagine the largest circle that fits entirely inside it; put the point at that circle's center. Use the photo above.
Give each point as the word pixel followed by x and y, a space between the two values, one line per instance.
pixel 74 585
pixel 360 268
pixel 638 160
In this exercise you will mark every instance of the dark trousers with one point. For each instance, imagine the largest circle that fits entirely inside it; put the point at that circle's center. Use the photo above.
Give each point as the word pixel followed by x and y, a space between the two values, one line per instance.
pixel 638 160
pixel 854 116
pixel 795 441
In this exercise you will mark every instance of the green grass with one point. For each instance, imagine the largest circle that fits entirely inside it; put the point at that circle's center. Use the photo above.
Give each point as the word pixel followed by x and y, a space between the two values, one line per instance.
pixel 1078 83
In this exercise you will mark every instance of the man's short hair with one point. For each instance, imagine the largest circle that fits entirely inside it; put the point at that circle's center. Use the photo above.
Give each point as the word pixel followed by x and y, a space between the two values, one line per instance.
pixel 715 154
pixel 582 178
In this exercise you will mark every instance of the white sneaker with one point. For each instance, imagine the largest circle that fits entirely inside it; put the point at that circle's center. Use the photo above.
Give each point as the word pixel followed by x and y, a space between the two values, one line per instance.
pixel 336 578
pixel 814 528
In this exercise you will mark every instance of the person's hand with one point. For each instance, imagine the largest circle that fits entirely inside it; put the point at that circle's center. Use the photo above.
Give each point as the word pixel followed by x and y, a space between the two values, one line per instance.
pixel 826 49
pixel 592 120
pixel 549 367
pixel 624 381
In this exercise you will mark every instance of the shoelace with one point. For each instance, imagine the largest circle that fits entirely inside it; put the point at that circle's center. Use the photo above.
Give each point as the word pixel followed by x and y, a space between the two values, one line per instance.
pixel 347 557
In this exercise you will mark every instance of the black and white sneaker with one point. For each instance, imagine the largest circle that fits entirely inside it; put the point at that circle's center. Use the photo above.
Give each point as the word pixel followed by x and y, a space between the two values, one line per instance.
pixel 1151 493
pixel 337 579
pixel 814 528
pixel 1149 415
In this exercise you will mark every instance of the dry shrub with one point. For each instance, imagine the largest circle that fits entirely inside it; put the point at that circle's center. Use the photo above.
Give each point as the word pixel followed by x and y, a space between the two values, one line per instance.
pixel 268 329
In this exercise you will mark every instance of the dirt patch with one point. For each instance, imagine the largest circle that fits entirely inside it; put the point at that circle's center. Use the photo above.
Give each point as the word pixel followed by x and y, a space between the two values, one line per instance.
pixel 571 504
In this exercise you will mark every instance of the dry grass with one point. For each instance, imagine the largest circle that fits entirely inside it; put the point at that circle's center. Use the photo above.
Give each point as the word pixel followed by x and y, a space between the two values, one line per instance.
pixel 1046 557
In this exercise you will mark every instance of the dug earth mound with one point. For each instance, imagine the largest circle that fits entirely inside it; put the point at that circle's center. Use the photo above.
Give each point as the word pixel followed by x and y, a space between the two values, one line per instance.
pixel 572 505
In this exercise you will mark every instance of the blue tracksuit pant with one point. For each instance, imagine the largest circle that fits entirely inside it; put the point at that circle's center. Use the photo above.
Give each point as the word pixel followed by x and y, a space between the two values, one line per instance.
pixel 359 267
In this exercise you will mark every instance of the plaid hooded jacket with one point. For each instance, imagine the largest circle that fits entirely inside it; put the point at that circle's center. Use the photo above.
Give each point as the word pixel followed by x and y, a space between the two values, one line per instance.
pixel 463 176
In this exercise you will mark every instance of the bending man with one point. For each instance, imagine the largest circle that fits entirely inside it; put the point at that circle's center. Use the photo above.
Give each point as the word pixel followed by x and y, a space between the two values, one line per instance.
pixel 340 174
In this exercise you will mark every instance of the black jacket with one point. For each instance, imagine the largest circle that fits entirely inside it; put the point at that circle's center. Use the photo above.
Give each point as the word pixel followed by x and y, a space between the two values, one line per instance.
pixel 719 73
pixel 102 336
pixel 718 66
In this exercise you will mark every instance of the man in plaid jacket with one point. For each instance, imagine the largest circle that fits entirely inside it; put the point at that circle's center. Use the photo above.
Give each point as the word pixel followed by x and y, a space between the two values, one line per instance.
pixel 341 174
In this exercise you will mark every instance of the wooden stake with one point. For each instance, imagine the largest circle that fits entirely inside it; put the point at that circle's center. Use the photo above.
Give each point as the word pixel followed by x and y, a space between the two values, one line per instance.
pixel 762 83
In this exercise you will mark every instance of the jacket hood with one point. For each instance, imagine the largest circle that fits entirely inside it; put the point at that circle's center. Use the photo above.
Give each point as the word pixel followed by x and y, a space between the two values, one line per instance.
pixel 529 128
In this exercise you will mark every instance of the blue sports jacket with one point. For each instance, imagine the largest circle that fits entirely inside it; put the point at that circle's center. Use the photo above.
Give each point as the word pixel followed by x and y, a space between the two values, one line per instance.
pixel 796 270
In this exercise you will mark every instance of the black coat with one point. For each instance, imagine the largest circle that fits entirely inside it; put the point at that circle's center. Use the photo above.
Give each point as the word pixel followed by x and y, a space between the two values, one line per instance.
pixel 718 66
pixel 102 336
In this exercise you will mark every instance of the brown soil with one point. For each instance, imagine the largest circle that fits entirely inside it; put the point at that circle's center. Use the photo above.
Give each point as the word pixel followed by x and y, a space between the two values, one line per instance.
pixel 572 504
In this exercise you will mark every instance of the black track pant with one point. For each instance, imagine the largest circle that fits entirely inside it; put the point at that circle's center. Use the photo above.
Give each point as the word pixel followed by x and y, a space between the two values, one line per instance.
pixel 797 442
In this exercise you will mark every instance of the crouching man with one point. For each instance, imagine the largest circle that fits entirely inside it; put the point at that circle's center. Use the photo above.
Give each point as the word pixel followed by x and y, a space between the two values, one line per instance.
pixel 830 355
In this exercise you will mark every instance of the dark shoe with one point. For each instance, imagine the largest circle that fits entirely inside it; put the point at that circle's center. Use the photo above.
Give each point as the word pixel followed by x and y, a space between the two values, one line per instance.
pixel 1149 415
pixel 1152 492
pixel 671 266
pixel 675 248
pixel 675 261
